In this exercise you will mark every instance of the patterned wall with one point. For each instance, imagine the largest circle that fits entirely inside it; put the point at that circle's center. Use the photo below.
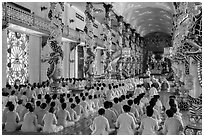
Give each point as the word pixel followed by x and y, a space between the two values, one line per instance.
pixel 17 57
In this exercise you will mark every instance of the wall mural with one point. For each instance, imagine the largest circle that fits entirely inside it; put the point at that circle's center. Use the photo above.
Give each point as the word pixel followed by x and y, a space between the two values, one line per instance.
pixel 17 57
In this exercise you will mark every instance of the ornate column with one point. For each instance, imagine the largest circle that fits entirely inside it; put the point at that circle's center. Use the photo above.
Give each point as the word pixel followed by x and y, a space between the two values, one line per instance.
pixel 120 32
pixel 90 48
pixel 55 57
pixel 133 50
pixel 108 8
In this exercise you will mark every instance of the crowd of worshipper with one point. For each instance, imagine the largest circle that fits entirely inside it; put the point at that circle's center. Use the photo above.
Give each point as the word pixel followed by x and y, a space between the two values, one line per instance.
pixel 115 110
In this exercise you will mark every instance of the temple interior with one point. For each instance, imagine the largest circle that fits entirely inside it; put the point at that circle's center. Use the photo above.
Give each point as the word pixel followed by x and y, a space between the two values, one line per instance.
pixel 97 53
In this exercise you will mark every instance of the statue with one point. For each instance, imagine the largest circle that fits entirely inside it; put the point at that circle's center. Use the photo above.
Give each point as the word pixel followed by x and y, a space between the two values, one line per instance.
pixel 55 55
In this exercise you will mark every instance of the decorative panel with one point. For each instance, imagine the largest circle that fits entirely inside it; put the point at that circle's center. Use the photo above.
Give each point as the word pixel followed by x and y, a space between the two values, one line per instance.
pixel 17 57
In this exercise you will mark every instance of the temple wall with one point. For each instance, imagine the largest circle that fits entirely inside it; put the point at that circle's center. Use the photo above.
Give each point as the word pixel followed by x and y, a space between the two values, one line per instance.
pixel 34 59
pixel 4 57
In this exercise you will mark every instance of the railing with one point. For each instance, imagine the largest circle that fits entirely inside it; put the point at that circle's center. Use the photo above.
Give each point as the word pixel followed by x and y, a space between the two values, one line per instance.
pixel 41 23
pixel 18 16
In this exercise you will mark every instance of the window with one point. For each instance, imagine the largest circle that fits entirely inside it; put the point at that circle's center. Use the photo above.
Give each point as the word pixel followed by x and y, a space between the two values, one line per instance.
pixel 17 57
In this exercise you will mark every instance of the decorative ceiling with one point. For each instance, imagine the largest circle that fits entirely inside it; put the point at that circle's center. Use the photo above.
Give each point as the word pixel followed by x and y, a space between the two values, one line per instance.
pixel 145 17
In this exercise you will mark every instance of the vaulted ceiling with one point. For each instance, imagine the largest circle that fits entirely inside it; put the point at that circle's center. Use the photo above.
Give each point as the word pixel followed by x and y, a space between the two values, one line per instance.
pixel 145 17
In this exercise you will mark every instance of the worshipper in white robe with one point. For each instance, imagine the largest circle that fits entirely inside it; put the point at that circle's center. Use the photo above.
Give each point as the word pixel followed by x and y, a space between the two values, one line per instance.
pixel 50 122
pixel 149 125
pixel 30 123
pixel 172 126
pixel 125 122
pixel 100 124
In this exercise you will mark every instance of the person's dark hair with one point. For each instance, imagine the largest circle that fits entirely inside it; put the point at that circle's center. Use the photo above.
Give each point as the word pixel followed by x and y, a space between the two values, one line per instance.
pixel 24 93
pixel 47 96
pixel 81 94
pixel 115 100
pixel 43 105
pixel 31 109
pixel 71 100
pixel 173 109
pixel 101 111
pixel 106 104
pixel 54 96
pixel 152 85
pixel 123 97
pixel 130 95
pixel 83 98
pixel 172 96
pixel 120 99
pixel 63 105
pixel 149 111
pixel 62 100
pixel 169 113
pixel 136 101
pixel 127 96
pixel 13 92
pixel 52 104
pixel 90 96
pixel 38 103
pixel 152 102
pixel 52 110
pixel 68 95
pixel 86 94
pixel 156 96
pixel 11 107
pixel 171 102
pixel 8 103
pixel 76 97
pixel 20 102
pixel 101 88
pixel 97 88
pixel 28 105
pixel 110 104
pixel 48 100
pixel 8 86
pixel 109 87
pixel 130 102
pixel 78 101
pixel 126 108
pixel 32 100
pixel 73 106
pixel 139 86
pixel 95 96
